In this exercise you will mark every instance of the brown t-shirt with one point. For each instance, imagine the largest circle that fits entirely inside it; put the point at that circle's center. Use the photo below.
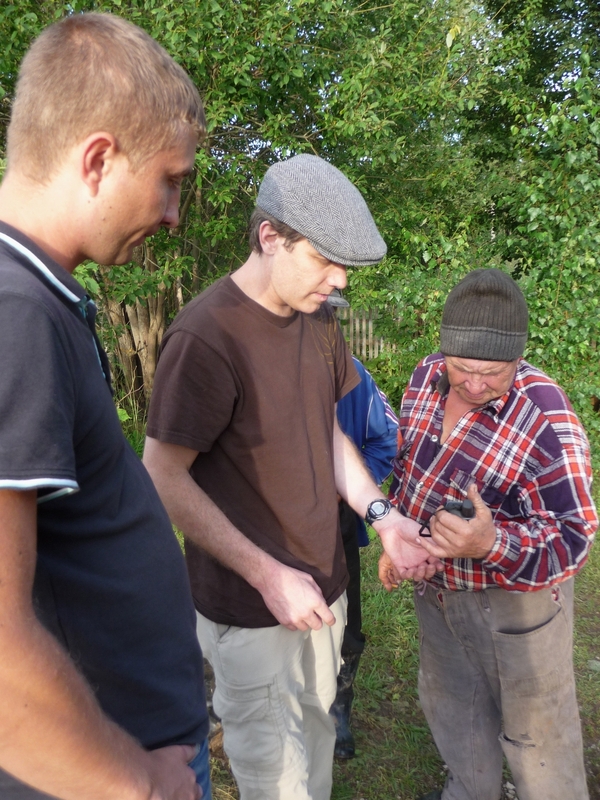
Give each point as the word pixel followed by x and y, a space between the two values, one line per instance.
pixel 254 393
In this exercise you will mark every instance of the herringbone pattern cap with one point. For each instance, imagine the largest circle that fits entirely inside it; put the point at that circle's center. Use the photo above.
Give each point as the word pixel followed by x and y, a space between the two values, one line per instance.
pixel 314 198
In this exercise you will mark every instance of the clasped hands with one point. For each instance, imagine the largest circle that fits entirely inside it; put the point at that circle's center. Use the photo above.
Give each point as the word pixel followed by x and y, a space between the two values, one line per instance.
pixel 410 557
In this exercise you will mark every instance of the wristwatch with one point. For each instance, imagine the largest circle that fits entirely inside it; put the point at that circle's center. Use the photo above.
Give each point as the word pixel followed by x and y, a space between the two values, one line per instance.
pixel 377 509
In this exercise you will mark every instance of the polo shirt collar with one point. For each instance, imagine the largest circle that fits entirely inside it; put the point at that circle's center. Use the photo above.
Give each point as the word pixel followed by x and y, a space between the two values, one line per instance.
pixel 62 280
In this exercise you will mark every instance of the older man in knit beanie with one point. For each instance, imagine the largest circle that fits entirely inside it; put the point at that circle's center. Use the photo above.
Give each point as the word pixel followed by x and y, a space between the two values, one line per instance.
pixel 495 467
pixel 247 455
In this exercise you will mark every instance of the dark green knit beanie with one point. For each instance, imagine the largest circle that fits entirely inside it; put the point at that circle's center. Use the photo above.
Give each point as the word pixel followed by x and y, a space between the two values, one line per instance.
pixel 485 317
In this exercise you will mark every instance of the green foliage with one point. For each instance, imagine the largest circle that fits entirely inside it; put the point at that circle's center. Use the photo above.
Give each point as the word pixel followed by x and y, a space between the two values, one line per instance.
pixel 551 211
pixel 471 129
pixel 20 22
pixel 473 132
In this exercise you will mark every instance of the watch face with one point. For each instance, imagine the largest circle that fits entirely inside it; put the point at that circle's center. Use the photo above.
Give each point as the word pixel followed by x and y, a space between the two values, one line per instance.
pixel 377 507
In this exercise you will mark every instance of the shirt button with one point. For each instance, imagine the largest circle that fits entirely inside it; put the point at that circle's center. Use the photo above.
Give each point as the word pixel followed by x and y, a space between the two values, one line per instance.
pixel 419 484
pixel 434 438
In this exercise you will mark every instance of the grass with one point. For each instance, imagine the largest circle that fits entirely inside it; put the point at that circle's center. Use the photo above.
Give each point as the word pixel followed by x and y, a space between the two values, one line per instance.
pixel 587 665
pixel 397 759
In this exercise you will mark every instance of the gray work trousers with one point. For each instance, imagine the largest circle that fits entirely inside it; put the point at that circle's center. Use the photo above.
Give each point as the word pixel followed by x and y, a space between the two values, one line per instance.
pixel 496 676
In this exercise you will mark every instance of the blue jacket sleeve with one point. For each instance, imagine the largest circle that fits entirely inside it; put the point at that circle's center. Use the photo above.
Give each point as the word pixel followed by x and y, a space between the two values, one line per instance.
pixel 366 417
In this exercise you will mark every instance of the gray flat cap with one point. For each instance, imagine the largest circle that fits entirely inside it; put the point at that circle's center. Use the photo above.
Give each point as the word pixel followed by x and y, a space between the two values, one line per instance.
pixel 315 199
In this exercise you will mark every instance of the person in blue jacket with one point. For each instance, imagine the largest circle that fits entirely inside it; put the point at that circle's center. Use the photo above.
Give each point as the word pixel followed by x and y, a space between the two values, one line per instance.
pixel 365 415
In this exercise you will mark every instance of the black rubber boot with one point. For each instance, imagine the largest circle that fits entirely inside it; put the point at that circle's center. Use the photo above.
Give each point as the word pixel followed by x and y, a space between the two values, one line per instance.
pixel 215 725
pixel 342 707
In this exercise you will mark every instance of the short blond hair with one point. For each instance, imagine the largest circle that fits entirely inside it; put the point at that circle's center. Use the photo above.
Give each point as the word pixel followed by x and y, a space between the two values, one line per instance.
pixel 97 72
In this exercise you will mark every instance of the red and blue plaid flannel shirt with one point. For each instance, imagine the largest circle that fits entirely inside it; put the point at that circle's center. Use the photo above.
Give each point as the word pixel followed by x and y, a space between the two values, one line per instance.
pixel 530 458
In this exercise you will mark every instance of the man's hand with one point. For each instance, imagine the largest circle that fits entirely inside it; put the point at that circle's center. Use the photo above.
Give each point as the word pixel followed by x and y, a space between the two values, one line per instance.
pixel 387 573
pixel 391 578
pixel 170 776
pixel 294 599
pixel 400 538
pixel 454 537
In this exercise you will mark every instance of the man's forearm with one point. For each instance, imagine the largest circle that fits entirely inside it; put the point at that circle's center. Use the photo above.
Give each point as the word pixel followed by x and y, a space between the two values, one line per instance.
pixel 199 518
pixel 398 534
pixel 353 480
pixel 292 596
pixel 53 734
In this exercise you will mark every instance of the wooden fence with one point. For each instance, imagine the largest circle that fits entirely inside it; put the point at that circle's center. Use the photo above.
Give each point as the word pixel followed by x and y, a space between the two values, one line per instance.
pixel 358 330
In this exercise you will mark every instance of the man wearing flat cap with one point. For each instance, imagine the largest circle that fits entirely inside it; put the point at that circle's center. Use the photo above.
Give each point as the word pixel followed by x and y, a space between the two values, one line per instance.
pixel 484 430
pixel 245 450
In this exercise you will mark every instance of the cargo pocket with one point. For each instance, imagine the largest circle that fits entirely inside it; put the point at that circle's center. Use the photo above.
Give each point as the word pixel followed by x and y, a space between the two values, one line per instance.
pixel 541 736
pixel 537 686
pixel 535 663
pixel 252 721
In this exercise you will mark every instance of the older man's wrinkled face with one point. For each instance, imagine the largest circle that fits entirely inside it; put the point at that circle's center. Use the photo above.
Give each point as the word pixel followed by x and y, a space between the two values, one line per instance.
pixel 478 382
